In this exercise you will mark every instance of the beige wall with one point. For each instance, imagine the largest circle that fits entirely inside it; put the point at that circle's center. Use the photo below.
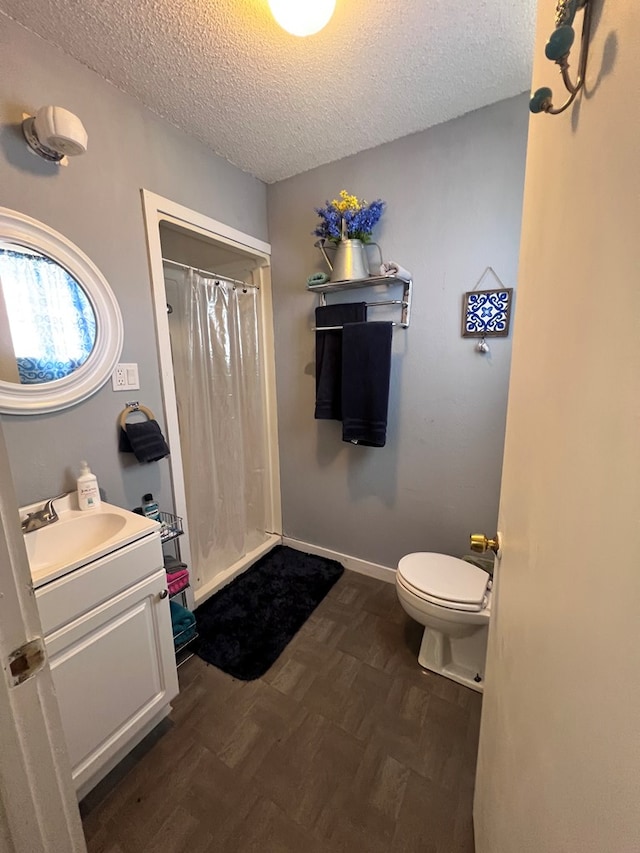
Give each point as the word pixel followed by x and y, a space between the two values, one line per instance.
pixel 95 202
pixel 559 766
pixel 454 197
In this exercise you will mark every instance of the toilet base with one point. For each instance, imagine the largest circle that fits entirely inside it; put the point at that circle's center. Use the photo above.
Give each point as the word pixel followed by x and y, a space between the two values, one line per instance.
pixel 460 659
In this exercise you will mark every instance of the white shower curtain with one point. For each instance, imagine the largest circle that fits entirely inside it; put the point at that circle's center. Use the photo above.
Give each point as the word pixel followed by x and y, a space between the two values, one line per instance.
pixel 219 388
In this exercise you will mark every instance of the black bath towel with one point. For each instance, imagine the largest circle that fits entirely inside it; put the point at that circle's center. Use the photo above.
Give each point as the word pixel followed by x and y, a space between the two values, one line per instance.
pixel 366 370
pixel 329 356
pixel 145 439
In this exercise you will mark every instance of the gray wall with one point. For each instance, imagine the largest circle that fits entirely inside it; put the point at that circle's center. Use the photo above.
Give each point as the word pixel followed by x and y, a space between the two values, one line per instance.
pixel 96 203
pixel 454 197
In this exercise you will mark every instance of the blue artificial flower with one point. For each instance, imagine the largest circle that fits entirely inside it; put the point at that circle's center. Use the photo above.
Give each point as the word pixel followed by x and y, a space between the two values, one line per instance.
pixel 359 224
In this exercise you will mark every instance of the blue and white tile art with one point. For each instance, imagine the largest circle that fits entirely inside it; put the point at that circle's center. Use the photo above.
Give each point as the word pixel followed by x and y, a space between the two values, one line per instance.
pixel 486 313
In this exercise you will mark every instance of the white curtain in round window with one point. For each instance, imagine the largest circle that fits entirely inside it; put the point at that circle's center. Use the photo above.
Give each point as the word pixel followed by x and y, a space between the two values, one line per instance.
pixel 52 325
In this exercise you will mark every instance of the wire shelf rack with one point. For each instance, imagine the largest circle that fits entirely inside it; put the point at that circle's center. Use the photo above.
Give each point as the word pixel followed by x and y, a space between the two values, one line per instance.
pixel 183 648
pixel 171 526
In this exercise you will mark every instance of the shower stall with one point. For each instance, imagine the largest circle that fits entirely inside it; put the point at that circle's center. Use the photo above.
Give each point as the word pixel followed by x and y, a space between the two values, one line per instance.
pixel 214 325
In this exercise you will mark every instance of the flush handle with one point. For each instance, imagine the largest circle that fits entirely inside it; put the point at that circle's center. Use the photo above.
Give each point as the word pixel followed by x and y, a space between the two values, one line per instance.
pixel 480 544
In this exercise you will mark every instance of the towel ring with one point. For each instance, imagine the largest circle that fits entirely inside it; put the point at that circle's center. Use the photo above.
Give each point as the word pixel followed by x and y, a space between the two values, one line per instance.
pixel 126 412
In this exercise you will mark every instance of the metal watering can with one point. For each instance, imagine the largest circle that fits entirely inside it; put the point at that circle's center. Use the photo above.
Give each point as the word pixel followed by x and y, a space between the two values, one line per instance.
pixel 350 262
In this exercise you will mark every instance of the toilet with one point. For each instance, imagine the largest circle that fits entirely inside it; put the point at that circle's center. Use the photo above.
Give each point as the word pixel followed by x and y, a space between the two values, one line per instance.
pixel 452 599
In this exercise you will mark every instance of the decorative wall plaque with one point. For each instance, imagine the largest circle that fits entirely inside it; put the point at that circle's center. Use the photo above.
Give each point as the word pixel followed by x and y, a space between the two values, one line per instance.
pixel 486 313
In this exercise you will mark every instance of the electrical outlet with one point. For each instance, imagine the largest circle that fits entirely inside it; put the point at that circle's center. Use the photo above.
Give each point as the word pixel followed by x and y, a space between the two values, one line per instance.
pixel 119 378
pixel 125 377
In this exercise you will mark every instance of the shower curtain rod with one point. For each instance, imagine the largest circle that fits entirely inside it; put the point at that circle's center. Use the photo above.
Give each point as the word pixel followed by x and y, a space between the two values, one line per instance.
pixel 209 274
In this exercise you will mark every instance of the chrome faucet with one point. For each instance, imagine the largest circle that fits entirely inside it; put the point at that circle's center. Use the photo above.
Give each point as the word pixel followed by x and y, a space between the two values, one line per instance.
pixel 42 517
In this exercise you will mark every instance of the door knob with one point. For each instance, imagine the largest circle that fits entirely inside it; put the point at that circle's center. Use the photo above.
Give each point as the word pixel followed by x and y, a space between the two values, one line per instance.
pixel 480 543
pixel 163 593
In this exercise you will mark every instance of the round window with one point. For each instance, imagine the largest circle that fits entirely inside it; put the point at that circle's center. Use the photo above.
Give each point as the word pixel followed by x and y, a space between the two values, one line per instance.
pixel 60 325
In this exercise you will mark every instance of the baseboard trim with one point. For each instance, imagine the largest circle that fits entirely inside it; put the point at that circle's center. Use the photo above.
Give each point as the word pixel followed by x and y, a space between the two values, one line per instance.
pixel 355 564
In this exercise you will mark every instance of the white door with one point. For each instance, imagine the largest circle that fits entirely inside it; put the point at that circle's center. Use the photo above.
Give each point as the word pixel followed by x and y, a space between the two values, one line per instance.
pixel 559 762
pixel 38 809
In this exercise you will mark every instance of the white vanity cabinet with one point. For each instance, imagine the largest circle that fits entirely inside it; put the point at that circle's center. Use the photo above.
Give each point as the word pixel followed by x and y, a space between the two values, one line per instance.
pixel 107 631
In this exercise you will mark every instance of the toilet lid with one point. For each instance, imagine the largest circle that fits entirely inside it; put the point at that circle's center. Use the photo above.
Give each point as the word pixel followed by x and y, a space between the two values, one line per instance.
pixel 448 579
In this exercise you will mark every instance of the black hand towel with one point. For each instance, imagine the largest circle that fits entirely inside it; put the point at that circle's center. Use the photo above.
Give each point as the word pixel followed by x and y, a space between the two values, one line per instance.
pixel 172 564
pixel 329 356
pixel 145 440
pixel 366 370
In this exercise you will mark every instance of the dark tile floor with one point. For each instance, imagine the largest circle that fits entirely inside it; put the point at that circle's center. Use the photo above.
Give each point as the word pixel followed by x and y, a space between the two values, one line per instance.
pixel 345 745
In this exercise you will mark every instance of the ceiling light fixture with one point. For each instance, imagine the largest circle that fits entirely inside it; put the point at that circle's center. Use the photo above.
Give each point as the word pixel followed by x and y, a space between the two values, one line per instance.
pixel 302 17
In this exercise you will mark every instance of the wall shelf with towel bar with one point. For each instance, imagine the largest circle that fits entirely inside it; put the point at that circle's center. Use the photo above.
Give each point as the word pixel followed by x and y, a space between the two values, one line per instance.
pixel 371 281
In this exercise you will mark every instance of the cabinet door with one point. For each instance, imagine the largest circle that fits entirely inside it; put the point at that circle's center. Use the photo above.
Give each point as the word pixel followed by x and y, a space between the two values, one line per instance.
pixel 114 670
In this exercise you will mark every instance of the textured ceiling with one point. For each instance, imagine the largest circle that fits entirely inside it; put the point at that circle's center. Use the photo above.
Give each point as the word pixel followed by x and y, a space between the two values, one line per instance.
pixel 276 105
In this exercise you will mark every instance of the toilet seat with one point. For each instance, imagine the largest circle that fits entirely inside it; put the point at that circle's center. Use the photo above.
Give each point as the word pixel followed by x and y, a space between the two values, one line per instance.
pixel 444 581
pixel 458 606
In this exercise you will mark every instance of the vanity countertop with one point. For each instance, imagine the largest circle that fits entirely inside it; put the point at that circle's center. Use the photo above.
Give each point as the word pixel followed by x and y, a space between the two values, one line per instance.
pixel 80 537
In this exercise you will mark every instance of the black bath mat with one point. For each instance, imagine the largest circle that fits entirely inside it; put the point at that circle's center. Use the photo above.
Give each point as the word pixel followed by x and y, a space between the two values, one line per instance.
pixel 245 627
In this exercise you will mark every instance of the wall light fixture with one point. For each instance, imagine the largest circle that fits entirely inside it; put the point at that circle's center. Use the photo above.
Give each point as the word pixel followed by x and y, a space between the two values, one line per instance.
pixel 55 134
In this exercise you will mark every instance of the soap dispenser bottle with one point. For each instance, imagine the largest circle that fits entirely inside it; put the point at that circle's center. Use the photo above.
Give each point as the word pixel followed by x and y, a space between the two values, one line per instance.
pixel 88 492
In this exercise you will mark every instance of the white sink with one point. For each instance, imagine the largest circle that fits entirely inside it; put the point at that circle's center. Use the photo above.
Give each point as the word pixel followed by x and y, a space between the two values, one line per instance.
pixel 79 537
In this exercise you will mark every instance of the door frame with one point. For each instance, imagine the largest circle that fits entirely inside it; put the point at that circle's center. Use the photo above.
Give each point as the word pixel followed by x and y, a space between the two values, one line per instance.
pixel 38 806
pixel 158 209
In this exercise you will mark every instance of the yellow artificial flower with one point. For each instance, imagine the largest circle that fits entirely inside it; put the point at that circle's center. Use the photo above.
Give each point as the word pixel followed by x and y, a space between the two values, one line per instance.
pixel 347 202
